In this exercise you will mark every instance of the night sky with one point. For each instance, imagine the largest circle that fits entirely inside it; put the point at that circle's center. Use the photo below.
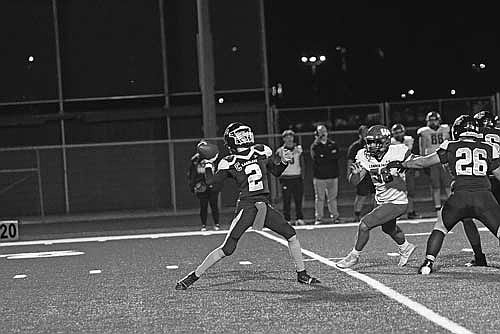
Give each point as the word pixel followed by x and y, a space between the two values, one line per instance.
pixel 389 51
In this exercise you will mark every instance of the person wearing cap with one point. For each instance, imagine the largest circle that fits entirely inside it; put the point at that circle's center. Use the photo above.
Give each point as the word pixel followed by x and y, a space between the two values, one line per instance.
pixel 324 154
pixel 365 189
pixel 291 181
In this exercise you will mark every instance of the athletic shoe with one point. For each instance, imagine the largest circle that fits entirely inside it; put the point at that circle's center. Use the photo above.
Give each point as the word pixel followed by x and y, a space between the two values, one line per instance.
pixel 426 267
pixel 203 228
pixel 405 254
pixel 413 215
pixel 317 222
pixel 478 261
pixel 216 227
pixel 304 278
pixel 347 262
pixel 187 281
pixel 300 222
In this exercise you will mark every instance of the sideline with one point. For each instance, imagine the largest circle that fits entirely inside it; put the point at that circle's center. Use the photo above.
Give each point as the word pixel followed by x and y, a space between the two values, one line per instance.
pixel 178 234
pixel 418 308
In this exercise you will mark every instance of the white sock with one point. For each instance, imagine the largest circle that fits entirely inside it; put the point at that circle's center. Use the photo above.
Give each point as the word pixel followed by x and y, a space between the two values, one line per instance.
pixel 209 261
pixel 430 257
pixel 355 252
pixel 404 245
pixel 296 253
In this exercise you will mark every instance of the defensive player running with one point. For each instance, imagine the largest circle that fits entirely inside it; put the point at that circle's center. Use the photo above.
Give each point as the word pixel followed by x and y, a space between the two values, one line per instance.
pixel 429 139
pixel 469 161
pixel 488 133
pixel 390 192
pixel 399 136
pixel 248 164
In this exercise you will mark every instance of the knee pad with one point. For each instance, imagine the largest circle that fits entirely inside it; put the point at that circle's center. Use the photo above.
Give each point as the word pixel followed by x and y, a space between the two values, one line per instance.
pixel 229 246
pixel 363 227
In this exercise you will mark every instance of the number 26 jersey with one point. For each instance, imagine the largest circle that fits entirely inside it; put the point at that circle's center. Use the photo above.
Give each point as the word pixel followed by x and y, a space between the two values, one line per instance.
pixel 390 184
pixel 469 162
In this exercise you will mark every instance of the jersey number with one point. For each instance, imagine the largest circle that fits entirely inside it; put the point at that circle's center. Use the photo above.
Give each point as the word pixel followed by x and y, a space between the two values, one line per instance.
pixel 492 138
pixel 476 157
pixel 437 138
pixel 254 177
pixel 381 175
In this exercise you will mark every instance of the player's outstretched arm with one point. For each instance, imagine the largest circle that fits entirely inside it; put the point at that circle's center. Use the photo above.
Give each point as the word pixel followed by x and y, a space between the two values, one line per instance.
pixel 496 173
pixel 356 174
pixel 422 161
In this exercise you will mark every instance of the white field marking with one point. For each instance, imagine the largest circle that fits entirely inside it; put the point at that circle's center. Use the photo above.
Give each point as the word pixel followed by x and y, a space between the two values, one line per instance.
pixel 468 250
pixel 18 256
pixel 179 234
pixel 420 234
pixel 331 258
pixel 413 305
pixel 245 262
pixel 20 276
pixel 393 254
pixel 95 271
pixel 173 267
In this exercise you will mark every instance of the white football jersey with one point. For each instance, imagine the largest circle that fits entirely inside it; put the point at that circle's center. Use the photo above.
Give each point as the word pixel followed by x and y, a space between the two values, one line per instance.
pixel 431 139
pixel 407 140
pixel 390 185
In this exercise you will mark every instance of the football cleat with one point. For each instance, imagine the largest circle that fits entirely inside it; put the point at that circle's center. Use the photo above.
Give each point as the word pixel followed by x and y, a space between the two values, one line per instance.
pixel 304 278
pixel 426 267
pixel 300 222
pixel 187 281
pixel 478 261
pixel 203 228
pixel 216 227
pixel 405 254
pixel 347 262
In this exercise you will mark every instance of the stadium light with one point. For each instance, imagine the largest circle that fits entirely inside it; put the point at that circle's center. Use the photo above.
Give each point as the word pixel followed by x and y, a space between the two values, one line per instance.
pixel 303 59
pixel 322 58
pixel 411 92
pixel 403 96
pixel 312 59
pixel 482 66
pixel 31 59
pixel 453 92
pixel 221 100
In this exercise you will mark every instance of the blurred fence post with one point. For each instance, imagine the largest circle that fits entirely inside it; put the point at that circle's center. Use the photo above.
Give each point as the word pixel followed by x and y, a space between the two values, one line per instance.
pixel 40 189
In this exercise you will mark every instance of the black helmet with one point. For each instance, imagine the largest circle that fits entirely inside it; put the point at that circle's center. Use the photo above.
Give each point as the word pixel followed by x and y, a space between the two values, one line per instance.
pixel 485 119
pixel 378 140
pixel 465 126
pixel 238 135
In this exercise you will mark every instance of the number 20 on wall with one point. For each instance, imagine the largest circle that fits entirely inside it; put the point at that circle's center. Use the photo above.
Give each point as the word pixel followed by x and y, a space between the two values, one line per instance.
pixel 9 230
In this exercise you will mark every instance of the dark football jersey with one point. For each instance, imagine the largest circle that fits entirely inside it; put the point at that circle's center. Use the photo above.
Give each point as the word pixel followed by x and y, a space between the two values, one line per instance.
pixel 491 135
pixel 249 169
pixel 469 162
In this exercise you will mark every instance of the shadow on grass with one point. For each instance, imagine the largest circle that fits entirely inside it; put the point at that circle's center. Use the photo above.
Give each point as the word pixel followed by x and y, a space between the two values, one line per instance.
pixel 291 290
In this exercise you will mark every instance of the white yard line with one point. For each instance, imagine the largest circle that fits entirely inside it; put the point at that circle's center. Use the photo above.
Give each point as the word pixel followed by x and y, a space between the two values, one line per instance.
pixel 418 308
pixel 179 234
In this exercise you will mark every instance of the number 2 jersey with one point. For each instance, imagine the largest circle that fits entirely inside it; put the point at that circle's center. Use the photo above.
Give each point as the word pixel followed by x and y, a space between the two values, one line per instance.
pixel 431 139
pixel 469 161
pixel 390 185
pixel 249 169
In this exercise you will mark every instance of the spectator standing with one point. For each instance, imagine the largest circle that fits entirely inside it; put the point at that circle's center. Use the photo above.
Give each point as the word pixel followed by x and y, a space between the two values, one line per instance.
pixel 291 180
pixel 365 188
pixel 325 174
pixel 205 194
pixel 399 136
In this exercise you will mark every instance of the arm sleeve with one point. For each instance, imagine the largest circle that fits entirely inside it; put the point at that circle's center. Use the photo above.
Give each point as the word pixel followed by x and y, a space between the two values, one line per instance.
pixel 276 168
pixel 221 174
pixel 442 152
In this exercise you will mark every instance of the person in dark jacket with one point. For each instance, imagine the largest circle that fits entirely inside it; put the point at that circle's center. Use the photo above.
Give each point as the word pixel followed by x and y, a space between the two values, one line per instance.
pixel 325 174
pixel 206 194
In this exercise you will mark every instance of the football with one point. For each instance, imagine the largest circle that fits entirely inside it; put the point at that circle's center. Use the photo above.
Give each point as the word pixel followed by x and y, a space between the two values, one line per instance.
pixel 207 151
